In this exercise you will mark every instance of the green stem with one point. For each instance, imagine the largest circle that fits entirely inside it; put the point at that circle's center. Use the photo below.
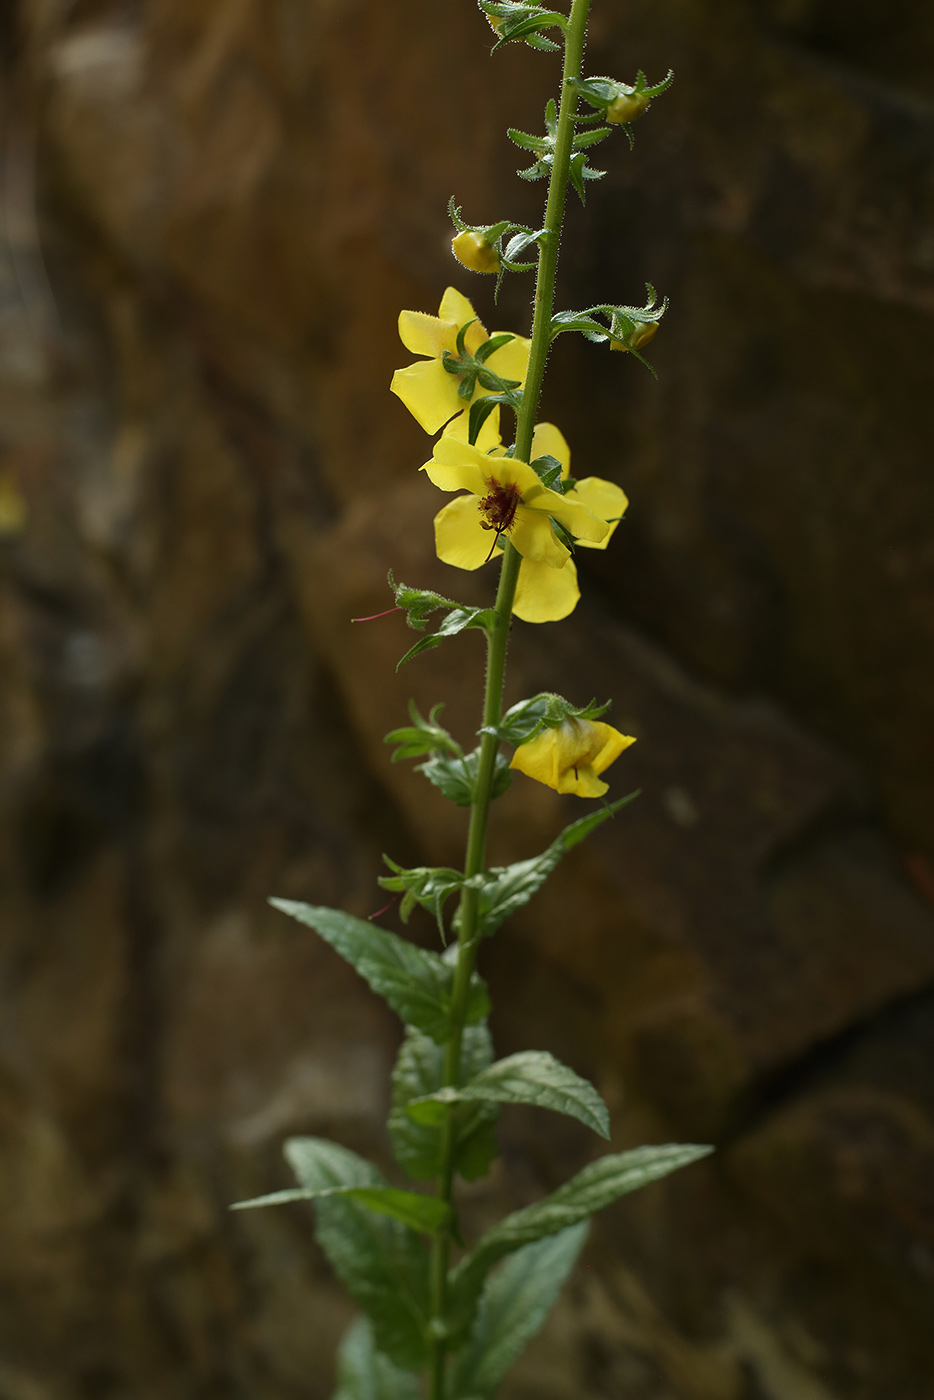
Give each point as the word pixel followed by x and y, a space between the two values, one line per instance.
pixel 497 639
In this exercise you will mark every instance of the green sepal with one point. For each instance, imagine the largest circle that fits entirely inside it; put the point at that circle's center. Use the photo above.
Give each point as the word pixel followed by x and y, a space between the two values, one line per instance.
pixel 539 144
pixel 597 1186
pixel 547 710
pixel 428 1215
pixel 591 137
pixel 516 1299
pixel 530 1077
pixel 421 736
pixel 623 323
pixel 416 983
pixel 365 1373
pixel 431 886
pixel 507 888
pixel 419 1072
pixel 523 21
pixel 457 777
pixel 382 1263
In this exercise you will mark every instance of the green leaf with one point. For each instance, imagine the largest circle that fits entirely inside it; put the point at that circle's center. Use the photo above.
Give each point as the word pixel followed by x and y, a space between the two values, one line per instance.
pixel 417 984
pixel 517 1298
pixel 457 777
pixel 363 1373
pixel 533 1077
pixel 419 1072
pixel 382 1263
pixel 594 1188
pixel 548 470
pixel 507 888
pixel 426 1214
pixel 591 137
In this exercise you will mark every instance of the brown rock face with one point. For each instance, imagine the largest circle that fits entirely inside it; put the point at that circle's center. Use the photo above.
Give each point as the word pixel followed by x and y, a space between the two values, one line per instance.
pixel 212 215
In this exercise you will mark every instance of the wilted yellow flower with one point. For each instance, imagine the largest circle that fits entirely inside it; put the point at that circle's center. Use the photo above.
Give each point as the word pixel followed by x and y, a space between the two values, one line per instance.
pixel 571 757
pixel 474 252
pixel 427 389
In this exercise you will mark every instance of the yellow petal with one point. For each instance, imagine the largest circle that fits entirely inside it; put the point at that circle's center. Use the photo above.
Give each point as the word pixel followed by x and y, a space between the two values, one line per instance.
pixel 426 335
pixel 605 500
pixel 510 361
pixel 457 309
pixel 428 392
pixel 575 518
pixel 459 536
pixel 544 594
pixel 453 470
pixel 532 535
pixel 547 440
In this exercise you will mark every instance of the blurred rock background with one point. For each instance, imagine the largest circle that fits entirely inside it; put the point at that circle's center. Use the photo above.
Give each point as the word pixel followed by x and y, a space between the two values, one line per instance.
pixel 212 215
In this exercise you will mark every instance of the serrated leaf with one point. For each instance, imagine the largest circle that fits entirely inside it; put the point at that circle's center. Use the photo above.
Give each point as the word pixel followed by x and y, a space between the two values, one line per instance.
pixel 417 984
pixel 419 1071
pixel 591 137
pixel 382 1263
pixel 516 1300
pixel 597 1186
pixel 507 888
pixel 457 777
pixel 364 1373
pixel 532 1077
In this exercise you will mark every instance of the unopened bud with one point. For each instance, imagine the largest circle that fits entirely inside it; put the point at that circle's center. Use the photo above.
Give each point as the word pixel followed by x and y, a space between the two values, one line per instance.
pixel 627 107
pixel 475 252
pixel 640 337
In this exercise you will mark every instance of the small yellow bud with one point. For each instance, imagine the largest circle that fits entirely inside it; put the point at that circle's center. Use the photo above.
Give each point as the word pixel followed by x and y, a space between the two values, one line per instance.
pixel 474 252
pixel 627 107
pixel 640 337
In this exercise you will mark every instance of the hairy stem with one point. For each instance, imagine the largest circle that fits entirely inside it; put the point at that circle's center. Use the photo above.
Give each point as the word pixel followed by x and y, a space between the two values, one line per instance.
pixel 497 640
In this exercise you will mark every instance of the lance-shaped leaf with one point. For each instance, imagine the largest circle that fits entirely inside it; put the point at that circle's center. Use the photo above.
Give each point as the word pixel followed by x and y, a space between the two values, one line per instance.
pixel 417 984
pixel 594 1188
pixel 364 1373
pixel 419 1072
pixel 426 1214
pixel 516 1299
pixel 531 1076
pixel 506 888
pixel 383 1264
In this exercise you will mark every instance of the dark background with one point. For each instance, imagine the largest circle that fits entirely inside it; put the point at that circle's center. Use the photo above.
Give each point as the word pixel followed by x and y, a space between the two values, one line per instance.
pixel 213 213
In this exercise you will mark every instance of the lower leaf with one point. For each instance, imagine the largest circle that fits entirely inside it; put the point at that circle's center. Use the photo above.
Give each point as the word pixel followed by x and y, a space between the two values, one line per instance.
pixel 364 1373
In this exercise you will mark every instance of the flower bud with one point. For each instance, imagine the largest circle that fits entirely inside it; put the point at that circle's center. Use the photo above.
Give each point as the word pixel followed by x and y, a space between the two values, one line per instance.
pixel 473 250
pixel 640 337
pixel 627 107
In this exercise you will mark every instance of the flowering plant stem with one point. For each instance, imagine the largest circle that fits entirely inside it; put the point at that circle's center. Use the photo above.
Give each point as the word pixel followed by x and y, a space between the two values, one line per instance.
pixel 497 639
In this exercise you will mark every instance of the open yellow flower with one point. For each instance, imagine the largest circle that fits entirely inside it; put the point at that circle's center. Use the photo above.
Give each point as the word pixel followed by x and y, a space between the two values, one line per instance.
pixel 546 591
pixel 571 757
pixel 507 498
pixel 427 389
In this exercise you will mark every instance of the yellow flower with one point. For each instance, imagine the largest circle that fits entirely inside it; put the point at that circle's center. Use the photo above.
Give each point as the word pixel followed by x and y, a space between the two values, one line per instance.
pixel 474 252
pixel 427 389
pixel 627 107
pixel 571 757
pixel 547 589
